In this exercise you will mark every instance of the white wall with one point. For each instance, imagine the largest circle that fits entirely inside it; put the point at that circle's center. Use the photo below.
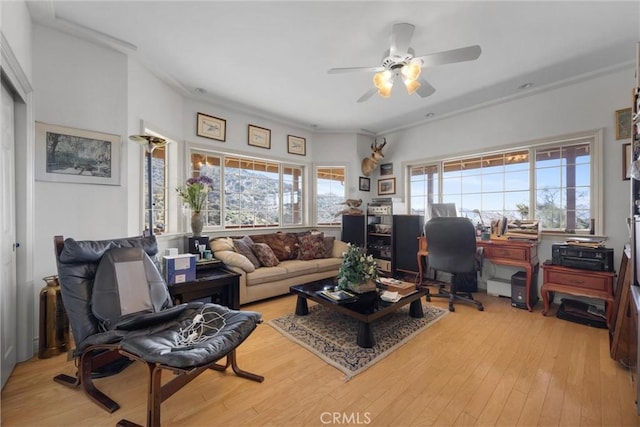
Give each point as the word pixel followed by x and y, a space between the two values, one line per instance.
pixel 151 102
pixel 15 24
pixel 82 85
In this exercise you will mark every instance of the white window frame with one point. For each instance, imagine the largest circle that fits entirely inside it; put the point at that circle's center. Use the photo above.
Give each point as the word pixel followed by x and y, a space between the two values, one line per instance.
pixel 282 163
pixel 593 137
pixel 338 219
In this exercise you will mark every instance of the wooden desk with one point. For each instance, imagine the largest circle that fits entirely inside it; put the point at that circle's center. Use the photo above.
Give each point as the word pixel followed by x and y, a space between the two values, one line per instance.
pixel 502 252
pixel 572 281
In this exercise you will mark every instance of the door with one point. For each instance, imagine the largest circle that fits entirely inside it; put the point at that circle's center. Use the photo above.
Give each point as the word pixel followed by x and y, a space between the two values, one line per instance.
pixel 8 287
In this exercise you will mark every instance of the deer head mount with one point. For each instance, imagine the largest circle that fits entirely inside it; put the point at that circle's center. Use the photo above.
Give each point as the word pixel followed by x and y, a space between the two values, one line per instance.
pixel 370 163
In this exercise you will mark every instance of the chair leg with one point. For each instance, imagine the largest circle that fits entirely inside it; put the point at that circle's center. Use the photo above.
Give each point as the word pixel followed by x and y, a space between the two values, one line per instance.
pixel 232 361
pixel 87 362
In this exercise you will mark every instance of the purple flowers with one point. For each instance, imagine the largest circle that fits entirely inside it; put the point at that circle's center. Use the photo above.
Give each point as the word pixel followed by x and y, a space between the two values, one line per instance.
pixel 195 192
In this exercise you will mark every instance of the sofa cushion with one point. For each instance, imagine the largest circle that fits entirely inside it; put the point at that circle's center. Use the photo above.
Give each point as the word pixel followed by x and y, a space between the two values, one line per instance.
pixel 266 275
pixel 235 259
pixel 296 267
pixel 327 264
pixel 339 248
pixel 283 245
pixel 221 244
pixel 311 246
pixel 244 248
pixel 265 254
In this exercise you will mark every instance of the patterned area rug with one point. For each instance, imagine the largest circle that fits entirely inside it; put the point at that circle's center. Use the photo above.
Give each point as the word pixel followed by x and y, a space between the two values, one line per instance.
pixel 332 336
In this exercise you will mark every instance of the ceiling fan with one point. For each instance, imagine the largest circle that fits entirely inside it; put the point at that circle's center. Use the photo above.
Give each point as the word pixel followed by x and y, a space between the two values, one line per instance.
pixel 400 63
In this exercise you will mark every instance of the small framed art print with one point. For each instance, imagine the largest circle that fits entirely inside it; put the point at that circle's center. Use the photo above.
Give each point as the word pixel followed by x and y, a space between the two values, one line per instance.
pixel 387 186
pixel 211 127
pixel 296 145
pixel 259 136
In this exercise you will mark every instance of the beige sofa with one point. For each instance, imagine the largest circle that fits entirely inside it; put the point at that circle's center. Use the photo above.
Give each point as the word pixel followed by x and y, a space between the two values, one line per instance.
pixel 300 259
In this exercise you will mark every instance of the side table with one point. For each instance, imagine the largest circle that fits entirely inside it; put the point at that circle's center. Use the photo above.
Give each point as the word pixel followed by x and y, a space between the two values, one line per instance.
pixel 220 285
pixel 573 281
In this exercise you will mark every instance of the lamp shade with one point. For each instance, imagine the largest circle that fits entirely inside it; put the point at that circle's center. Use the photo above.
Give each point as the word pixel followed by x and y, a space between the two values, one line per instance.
pixel 410 71
pixel 411 85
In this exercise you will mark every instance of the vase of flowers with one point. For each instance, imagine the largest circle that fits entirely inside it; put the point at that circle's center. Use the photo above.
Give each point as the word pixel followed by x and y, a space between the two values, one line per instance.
pixel 358 271
pixel 194 194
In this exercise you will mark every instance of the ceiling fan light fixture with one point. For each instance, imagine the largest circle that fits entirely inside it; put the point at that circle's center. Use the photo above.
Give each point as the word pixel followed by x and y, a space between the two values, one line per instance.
pixel 412 86
pixel 410 71
pixel 385 91
pixel 383 79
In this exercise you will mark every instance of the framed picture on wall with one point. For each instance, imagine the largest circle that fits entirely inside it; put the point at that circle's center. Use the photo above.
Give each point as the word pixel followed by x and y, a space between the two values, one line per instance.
pixel 623 123
pixel 386 169
pixel 365 184
pixel 296 145
pixel 386 186
pixel 259 137
pixel 76 155
pixel 211 127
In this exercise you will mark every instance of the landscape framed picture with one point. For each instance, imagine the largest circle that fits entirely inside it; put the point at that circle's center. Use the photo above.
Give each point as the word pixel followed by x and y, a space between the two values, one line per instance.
pixel 386 169
pixel 211 127
pixel 623 123
pixel 387 186
pixel 80 156
pixel 296 145
pixel 259 137
pixel 365 184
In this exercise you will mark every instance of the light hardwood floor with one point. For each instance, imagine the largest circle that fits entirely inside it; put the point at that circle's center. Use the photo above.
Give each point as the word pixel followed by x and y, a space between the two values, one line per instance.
pixel 502 366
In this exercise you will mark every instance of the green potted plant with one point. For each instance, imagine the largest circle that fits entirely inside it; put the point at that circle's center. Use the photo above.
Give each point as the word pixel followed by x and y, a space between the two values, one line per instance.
pixel 195 194
pixel 358 271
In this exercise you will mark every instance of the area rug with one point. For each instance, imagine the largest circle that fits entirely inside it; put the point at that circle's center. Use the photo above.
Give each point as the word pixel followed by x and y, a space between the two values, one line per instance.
pixel 332 336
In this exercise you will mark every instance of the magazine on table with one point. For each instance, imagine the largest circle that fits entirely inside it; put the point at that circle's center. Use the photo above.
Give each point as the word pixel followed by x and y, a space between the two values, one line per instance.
pixel 339 296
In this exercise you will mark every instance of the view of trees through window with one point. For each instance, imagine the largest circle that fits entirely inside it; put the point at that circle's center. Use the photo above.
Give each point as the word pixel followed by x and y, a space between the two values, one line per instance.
pixel 555 180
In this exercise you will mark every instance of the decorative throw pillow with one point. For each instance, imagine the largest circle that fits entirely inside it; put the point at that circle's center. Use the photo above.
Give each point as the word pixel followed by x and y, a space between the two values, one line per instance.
pixel 328 246
pixel 265 254
pixel 221 244
pixel 243 248
pixel 311 246
pixel 235 259
pixel 283 246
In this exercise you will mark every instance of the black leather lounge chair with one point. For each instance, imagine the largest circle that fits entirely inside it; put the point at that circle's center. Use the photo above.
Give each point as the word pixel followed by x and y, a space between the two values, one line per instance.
pixel 119 307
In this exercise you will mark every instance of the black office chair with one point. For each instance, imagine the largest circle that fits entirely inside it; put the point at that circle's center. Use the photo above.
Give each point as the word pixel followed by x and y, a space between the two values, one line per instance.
pixel 452 248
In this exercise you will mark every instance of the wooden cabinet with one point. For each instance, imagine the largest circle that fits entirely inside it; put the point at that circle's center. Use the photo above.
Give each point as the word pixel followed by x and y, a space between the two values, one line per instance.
pixel 572 281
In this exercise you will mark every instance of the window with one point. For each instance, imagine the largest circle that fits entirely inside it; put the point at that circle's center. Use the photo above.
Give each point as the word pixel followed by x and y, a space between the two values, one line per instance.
pixel 250 192
pixel 554 177
pixel 330 194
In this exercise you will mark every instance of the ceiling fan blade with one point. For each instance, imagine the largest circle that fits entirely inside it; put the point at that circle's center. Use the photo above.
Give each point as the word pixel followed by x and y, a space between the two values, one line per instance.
pixel 425 88
pixel 352 69
pixel 468 53
pixel 401 35
pixel 367 95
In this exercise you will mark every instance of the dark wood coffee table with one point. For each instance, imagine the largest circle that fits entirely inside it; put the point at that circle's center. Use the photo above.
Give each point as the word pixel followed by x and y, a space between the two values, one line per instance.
pixel 369 307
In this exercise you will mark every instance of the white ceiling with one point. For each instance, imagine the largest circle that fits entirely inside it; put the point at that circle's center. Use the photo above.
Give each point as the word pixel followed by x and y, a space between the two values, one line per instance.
pixel 271 58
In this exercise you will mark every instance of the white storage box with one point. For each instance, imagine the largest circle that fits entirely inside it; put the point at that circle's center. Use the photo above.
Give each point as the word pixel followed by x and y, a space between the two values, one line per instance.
pixel 179 268
pixel 499 287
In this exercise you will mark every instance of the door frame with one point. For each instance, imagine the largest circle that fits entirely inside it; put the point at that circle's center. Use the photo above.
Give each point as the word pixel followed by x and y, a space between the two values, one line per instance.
pixel 15 78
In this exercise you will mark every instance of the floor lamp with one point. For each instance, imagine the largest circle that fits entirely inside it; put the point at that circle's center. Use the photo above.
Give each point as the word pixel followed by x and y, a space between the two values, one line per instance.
pixel 149 143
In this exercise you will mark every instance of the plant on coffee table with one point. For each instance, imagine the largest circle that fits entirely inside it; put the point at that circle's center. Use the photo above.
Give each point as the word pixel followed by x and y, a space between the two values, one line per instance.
pixel 358 270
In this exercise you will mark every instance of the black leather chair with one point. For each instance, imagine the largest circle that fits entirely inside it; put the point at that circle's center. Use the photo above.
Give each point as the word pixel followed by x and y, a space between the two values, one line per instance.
pixel 119 308
pixel 452 248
